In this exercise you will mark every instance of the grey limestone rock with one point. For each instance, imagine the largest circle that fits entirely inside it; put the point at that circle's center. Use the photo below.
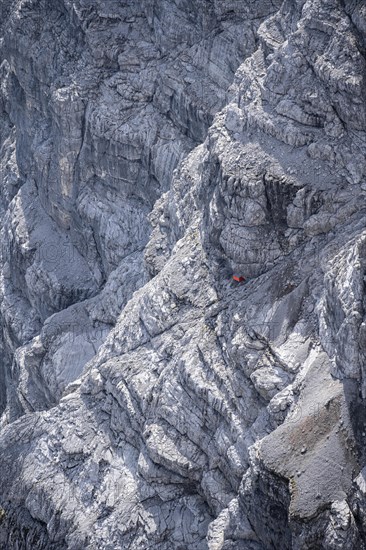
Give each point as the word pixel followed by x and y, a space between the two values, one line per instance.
pixel 149 151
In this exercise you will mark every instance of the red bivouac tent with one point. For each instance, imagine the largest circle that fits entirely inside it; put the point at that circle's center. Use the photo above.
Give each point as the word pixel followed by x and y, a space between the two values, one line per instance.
pixel 238 278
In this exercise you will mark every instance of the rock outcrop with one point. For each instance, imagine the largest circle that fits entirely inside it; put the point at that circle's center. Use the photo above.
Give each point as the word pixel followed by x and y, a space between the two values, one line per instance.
pixel 148 152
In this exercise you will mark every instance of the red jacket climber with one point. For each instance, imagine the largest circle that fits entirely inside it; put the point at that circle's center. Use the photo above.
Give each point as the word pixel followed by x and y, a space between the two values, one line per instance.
pixel 238 278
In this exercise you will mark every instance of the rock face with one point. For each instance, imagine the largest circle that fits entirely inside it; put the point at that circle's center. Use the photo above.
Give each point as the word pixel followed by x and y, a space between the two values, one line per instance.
pixel 149 151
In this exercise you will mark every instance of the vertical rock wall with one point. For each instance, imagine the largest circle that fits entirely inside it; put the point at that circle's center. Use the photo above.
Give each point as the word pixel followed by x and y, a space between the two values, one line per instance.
pixel 149 152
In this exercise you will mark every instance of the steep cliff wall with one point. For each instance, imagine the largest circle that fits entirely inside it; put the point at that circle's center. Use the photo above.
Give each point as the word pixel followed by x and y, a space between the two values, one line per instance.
pixel 101 101
pixel 148 152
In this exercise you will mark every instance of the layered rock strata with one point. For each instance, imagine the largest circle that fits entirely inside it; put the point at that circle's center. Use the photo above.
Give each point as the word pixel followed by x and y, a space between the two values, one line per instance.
pixel 148 153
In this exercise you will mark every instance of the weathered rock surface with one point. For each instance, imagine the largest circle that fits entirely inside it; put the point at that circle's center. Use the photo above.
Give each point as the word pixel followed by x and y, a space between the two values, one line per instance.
pixel 148 152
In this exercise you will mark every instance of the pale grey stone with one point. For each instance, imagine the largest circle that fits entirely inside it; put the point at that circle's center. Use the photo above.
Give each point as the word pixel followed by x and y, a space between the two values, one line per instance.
pixel 149 152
